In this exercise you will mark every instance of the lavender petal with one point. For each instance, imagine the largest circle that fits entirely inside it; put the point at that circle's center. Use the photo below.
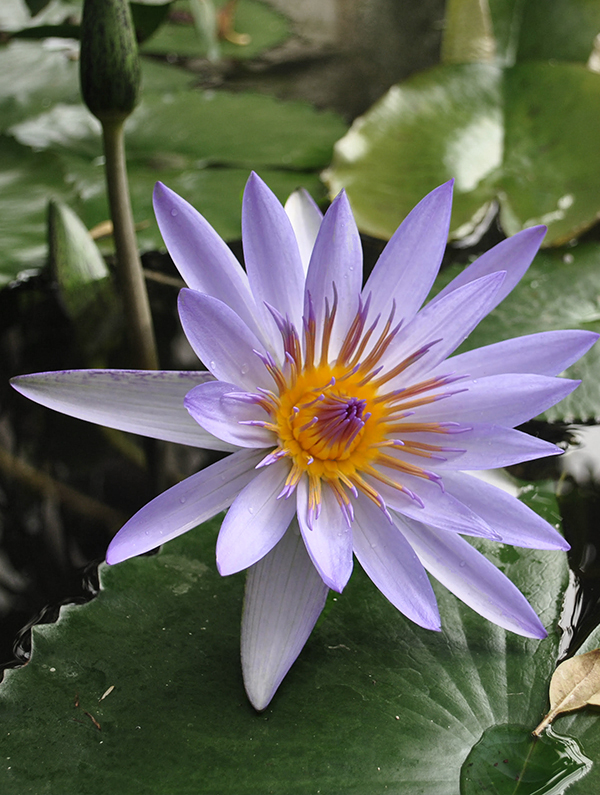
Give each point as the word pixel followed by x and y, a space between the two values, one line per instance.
pixel 284 598
pixel 255 521
pixel 391 563
pixel 184 506
pixel 138 401
pixel 473 579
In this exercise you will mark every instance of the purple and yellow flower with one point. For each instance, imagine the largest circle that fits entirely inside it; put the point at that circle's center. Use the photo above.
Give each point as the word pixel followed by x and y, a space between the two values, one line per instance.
pixel 349 428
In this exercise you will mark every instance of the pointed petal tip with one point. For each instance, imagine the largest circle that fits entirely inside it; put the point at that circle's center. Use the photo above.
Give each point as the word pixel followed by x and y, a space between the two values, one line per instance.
pixel 443 191
pixel 160 193
pixel 539 633
pixel 114 555
pixel 258 697
pixel 528 625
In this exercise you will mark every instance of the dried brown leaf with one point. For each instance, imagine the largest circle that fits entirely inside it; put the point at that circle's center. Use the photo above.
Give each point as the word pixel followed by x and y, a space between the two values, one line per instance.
pixel 574 684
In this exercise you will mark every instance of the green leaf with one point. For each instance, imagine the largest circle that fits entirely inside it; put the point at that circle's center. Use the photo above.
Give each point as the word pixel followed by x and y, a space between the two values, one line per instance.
pixel 559 291
pixel 264 26
pixel 207 132
pixel 468 33
pixel 61 150
pixel 374 704
pixel 508 759
pixel 34 79
pixel 84 283
pixel 28 180
pixel 35 6
pixel 524 137
pixel 563 30
pixel 533 30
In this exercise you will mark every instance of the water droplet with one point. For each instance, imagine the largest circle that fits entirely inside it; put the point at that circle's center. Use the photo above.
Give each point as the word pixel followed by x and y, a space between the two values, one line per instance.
pixel 244 368
pixel 173 212
pixel 251 510
pixel 212 365
pixel 182 500
pixel 462 564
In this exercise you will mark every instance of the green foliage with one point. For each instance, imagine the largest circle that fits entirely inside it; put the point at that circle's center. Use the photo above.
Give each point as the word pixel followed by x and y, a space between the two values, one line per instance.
pixel 518 130
pixel 202 144
pixel 374 703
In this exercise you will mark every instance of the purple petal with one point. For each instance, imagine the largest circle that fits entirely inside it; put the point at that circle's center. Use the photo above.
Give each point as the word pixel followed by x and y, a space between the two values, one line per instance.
pixel 184 506
pixel 499 400
pixel 485 447
pixel 390 562
pixel 222 341
pixel 410 262
pixel 271 254
pixel 305 218
pixel 138 401
pixel 546 353
pixel 511 519
pixel 204 260
pixel 513 255
pixel 215 407
pixel 256 520
pixel 329 542
pixel 437 508
pixel 284 598
pixel 449 321
pixel 336 259
pixel 471 577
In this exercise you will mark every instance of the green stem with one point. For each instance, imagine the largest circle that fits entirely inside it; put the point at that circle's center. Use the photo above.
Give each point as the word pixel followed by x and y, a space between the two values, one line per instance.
pixel 129 267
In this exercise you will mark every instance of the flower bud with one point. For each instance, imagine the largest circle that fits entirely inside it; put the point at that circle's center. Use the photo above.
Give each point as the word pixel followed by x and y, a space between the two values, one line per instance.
pixel 109 65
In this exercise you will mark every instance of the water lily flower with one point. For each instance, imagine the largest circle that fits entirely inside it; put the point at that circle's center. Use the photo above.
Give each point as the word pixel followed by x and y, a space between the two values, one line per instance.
pixel 350 429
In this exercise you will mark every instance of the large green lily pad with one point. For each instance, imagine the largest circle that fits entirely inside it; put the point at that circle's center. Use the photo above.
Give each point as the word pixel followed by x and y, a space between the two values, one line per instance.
pixel 523 137
pixel 140 690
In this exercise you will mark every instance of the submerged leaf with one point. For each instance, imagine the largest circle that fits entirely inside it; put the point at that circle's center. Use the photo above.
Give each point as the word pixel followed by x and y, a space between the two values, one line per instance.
pixel 575 684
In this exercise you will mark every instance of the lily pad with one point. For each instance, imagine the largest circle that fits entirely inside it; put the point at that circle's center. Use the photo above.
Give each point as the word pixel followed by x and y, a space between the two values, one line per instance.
pixel 263 26
pixel 28 180
pixel 147 676
pixel 33 79
pixel 523 137
pixel 59 150
pixel 532 30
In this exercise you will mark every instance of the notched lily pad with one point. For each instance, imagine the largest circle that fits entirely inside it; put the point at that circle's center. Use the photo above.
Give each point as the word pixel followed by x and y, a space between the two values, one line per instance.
pixel 374 704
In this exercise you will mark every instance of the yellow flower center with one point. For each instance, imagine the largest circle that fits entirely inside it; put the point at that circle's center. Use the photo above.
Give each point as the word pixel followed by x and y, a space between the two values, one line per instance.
pixel 338 421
